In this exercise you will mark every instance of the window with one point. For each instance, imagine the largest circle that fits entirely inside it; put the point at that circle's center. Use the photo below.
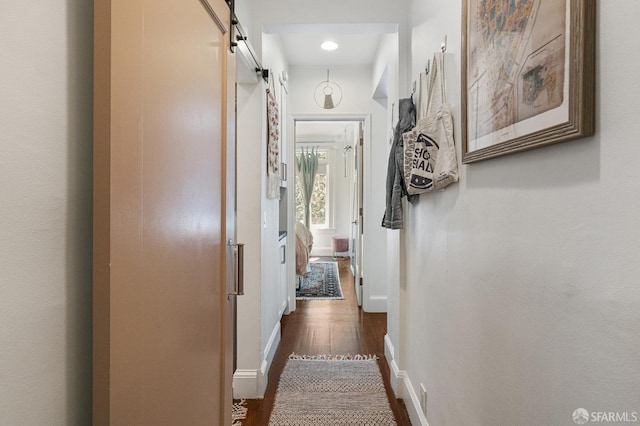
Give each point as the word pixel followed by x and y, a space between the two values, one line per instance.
pixel 320 198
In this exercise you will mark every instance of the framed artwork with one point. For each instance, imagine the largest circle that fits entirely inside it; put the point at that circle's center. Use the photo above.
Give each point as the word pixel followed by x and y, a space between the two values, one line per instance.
pixel 528 74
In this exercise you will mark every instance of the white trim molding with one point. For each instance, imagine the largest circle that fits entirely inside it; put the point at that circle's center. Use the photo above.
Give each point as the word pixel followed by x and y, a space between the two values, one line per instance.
pixel 245 384
pixel 389 354
pixel 269 353
pixel 402 386
pixel 252 384
pixel 292 118
pixel 374 303
pixel 321 252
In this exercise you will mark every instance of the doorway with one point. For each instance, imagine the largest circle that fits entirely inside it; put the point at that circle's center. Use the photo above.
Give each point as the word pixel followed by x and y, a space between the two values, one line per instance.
pixel 335 209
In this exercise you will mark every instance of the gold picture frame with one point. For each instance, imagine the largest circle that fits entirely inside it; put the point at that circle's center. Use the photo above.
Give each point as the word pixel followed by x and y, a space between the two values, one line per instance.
pixel 528 74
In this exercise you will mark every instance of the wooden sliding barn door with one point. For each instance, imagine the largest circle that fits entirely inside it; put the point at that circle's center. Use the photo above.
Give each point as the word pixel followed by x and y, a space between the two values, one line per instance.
pixel 163 193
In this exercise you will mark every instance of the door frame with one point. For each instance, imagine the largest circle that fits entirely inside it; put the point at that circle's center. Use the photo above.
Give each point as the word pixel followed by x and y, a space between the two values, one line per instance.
pixel 366 119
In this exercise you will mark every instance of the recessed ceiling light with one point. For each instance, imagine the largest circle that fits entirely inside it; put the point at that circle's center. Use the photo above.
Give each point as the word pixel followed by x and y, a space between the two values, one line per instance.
pixel 329 45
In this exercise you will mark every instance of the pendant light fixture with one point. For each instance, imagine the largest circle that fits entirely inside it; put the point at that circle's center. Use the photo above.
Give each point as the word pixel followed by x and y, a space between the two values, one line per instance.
pixel 328 94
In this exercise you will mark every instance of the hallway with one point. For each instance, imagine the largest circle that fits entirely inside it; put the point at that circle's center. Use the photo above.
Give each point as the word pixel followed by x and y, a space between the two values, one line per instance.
pixel 327 327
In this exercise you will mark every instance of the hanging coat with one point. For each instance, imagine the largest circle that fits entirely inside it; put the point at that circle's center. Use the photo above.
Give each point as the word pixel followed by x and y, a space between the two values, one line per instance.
pixel 396 187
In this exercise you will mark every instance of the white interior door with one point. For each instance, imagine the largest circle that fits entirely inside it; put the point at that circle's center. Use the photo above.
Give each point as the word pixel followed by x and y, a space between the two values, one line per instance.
pixel 357 224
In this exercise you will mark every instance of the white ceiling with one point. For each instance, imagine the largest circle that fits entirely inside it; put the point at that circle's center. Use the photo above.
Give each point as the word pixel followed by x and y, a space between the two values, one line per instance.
pixel 354 49
pixel 358 43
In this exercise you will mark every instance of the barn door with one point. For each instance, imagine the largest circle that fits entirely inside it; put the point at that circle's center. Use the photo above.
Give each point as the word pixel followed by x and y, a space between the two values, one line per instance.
pixel 163 212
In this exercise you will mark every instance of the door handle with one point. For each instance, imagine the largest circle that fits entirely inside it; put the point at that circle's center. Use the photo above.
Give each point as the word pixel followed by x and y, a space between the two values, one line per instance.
pixel 238 257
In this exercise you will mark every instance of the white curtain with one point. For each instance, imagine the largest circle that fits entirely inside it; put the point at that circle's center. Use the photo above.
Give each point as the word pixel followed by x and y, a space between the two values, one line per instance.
pixel 306 168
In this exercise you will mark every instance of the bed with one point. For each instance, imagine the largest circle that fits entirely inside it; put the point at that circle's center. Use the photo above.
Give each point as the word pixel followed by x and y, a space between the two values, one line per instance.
pixel 304 244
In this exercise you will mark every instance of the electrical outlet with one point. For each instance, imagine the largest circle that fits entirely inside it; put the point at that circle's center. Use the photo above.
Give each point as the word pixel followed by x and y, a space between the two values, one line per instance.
pixel 423 398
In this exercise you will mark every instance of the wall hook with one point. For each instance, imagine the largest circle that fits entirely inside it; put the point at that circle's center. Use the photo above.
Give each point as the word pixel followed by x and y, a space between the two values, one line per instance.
pixel 264 73
pixel 443 46
pixel 426 69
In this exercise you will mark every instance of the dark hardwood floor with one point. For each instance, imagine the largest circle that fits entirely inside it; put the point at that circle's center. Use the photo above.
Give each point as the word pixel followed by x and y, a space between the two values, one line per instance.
pixel 333 327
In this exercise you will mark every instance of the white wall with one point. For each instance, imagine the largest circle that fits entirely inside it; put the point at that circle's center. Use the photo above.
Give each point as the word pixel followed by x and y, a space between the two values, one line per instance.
pixel 329 12
pixel 521 296
pixel 265 299
pixel 388 71
pixel 247 380
pixel 45 227
pixel 274 296
pixel 244 14
pixel 356 82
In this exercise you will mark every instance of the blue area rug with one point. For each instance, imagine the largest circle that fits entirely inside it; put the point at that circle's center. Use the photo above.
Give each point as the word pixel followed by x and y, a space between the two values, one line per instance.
pixel 322 281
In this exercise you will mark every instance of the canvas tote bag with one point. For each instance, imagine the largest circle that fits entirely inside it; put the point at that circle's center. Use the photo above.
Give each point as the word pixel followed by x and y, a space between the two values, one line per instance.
pixel 430 153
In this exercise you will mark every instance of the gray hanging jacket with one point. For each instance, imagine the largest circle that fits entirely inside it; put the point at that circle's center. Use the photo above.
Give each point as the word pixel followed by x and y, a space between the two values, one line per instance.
pixel 396 187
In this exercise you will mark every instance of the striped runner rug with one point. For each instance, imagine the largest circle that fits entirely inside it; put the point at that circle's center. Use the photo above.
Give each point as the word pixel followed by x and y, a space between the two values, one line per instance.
pixel 331 390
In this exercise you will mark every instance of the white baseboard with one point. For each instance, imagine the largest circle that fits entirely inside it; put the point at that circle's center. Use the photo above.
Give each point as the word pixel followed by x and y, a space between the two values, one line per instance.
pixel 283 308
pixel 389 354
pixel 245 384
pixel 269 353
pixel 321 252
pixel 375 303
pixel 327 252
pixel 252 384
pixel 402 386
